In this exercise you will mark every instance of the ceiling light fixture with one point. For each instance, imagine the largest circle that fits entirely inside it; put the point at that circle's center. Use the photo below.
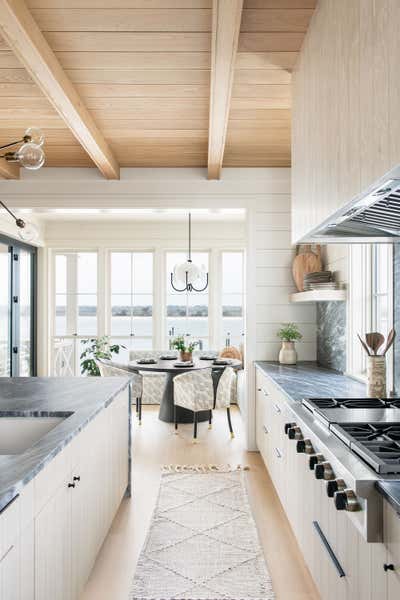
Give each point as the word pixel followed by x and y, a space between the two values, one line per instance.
pixel 27 231
pixel 30 154
pixel 187 273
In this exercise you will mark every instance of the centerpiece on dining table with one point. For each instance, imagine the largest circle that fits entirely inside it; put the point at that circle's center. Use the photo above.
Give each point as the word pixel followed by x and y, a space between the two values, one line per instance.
pixel 184 348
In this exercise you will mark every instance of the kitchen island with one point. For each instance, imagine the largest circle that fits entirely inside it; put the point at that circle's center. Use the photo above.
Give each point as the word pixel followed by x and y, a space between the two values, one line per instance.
pixel 64 469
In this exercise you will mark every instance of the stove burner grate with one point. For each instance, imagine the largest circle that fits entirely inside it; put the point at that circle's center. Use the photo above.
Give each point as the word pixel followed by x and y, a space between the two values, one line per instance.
pixel 328 403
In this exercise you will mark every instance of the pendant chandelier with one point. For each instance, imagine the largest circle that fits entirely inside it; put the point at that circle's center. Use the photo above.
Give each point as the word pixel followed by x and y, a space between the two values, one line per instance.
pixel 187 274
pixel 29 155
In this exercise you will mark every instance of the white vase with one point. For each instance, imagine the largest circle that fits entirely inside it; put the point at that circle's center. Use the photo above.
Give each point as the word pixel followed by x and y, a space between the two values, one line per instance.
pixel 376 375
pixel 288 354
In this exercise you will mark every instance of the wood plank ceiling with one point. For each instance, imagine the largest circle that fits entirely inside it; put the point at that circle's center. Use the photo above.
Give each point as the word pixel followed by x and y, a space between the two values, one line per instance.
pixel 142 68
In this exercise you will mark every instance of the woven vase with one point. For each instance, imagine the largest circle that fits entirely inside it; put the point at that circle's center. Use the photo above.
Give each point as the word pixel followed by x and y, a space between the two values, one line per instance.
pixel 376 375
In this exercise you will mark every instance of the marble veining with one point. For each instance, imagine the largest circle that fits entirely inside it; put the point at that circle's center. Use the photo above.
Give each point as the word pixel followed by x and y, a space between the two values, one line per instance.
pixel 77 398
pixel 331 335
pixel 309 380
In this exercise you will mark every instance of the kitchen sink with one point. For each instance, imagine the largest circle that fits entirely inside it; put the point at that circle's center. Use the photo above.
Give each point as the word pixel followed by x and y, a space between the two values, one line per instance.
pixel 19 433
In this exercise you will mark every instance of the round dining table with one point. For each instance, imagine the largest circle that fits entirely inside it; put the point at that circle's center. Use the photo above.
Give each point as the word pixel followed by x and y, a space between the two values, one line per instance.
pixel 168 367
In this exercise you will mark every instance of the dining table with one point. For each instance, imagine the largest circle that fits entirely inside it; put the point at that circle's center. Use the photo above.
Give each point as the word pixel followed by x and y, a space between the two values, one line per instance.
pixel 170 369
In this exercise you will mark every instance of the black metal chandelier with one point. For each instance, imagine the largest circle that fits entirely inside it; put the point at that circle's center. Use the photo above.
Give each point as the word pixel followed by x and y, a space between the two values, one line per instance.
pixel 30 154
pixel 187 273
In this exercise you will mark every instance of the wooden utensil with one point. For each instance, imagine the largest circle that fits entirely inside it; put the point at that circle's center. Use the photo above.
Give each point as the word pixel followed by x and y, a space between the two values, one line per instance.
pixel 389 341
pixel 374 341
pixel 364 345
pixel 306 261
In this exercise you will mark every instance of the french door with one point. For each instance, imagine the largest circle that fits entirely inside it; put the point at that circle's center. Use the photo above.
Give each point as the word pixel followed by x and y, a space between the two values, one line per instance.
pixel 17 308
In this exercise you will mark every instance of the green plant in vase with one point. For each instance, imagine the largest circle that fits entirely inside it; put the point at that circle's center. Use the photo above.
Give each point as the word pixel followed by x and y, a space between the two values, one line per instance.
pixel 97 348
pixel 289 333
pixel 185 349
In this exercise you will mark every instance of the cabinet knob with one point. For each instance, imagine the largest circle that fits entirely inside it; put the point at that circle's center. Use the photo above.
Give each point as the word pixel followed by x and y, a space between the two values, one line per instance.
pixel 77 478
pixel 387 567
pixel 71 485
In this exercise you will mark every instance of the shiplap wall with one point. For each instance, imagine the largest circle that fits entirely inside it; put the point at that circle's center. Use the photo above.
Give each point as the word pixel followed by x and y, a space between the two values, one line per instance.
pixel 274 281
pixel 346 98
pixel 335 258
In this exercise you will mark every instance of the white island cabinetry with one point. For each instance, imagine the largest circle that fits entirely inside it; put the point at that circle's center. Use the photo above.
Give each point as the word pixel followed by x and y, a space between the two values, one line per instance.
pixel 51 533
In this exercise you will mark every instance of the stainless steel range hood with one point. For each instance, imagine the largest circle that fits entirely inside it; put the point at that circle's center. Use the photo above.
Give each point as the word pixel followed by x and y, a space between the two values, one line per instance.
pixel 373 214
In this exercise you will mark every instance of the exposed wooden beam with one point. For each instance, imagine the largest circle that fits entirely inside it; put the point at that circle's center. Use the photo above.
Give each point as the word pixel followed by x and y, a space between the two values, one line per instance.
pixel 8 170
pixel 224 42
pixel 27 41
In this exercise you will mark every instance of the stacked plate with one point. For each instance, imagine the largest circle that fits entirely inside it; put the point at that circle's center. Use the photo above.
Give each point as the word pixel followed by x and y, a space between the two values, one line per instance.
pixel 319 280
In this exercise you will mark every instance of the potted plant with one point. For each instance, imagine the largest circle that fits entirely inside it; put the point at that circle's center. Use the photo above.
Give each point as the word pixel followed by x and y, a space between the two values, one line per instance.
pixel 288 333
pixel 185 351
pixel 97 348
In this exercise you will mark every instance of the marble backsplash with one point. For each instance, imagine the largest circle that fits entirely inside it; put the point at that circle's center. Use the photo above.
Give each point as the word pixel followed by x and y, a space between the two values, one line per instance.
pixel 331 335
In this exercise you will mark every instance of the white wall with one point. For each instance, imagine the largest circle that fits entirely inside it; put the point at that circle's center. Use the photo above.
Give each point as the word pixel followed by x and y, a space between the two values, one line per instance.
pixel 264 193
pixel 335 258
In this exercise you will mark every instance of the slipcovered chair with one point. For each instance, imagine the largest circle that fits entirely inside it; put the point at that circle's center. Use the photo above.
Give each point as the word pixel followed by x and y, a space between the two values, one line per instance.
pixel 153 383
pixel 194 391
pixel 226 393
pixel 136 385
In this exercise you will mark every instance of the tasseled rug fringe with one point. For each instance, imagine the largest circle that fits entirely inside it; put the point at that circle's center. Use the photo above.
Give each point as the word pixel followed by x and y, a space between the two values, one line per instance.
pixel 203 468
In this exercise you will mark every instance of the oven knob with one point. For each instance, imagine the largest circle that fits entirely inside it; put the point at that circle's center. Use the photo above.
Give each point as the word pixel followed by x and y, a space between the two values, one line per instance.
pixel 294 433
pixel 346 500
pixel 305 446
pixel 289 426
pixel 335 485
pixel 324 470
pixel 315 459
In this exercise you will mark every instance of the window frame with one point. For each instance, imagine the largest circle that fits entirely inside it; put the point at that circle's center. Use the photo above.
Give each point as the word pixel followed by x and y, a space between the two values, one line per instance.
pixel 14 248
pixel 364 318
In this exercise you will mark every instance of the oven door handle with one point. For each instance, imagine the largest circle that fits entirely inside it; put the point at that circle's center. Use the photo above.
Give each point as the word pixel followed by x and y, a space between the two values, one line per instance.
pixel 328 548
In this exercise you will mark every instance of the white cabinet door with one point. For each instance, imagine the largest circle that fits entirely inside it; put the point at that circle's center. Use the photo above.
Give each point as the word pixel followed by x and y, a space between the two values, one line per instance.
pixel 53 547
pixel 9 574
pixel 392 542
pixel 27 564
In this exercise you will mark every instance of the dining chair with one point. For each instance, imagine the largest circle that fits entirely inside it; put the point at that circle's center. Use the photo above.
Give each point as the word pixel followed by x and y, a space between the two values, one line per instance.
pixel 153 383
pixel 194 391
pixel 136 384
pixel 226 394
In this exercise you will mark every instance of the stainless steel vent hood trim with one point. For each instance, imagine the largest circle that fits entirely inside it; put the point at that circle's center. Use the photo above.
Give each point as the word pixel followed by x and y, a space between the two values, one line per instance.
pixel 375 213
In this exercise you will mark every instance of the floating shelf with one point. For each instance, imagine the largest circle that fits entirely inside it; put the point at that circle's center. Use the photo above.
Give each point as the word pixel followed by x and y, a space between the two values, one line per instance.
pixel 319 296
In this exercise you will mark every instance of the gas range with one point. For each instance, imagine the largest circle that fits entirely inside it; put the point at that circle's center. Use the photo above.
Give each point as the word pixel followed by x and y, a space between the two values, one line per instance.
pixel 370 427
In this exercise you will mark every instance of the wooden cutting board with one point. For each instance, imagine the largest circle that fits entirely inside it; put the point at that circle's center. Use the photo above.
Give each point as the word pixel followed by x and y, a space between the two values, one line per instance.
pixel 306 261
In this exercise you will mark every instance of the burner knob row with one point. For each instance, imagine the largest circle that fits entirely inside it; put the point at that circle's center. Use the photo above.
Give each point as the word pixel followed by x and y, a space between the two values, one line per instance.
pixel 304 446
pixel 315 459
pixel 334 485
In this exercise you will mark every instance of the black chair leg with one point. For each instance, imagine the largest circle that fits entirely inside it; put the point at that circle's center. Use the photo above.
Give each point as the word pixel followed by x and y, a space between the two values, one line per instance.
pixel 175 419
pixel 210 416
pixel 140 410
pixel 228 412
pixel 137 406
pixel 194 426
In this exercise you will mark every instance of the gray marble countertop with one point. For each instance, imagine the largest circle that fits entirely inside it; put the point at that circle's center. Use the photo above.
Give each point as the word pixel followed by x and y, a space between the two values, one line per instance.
pixel 309 380
pixel 80 398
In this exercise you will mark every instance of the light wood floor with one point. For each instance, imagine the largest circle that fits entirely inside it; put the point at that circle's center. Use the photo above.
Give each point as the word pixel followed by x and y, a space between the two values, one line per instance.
pixel 154 444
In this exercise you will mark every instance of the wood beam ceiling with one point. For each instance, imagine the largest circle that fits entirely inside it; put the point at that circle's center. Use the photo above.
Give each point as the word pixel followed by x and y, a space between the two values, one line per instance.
pixel 227 16
pixel 28 43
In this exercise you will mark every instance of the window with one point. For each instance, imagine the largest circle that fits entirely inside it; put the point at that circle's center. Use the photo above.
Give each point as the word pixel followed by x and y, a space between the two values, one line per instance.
pixel 132 299
pixel 75 315
pixel 370 300
pixel 17 308
pixel 187 313
pixel 232 298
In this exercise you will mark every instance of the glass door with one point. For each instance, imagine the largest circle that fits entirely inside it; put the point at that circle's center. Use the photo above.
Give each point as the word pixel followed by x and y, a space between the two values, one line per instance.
pixel 5 310
pixel 17 308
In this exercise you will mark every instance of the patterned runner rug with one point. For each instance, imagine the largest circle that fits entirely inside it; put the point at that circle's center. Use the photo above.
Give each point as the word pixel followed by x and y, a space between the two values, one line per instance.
pixel 202 542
